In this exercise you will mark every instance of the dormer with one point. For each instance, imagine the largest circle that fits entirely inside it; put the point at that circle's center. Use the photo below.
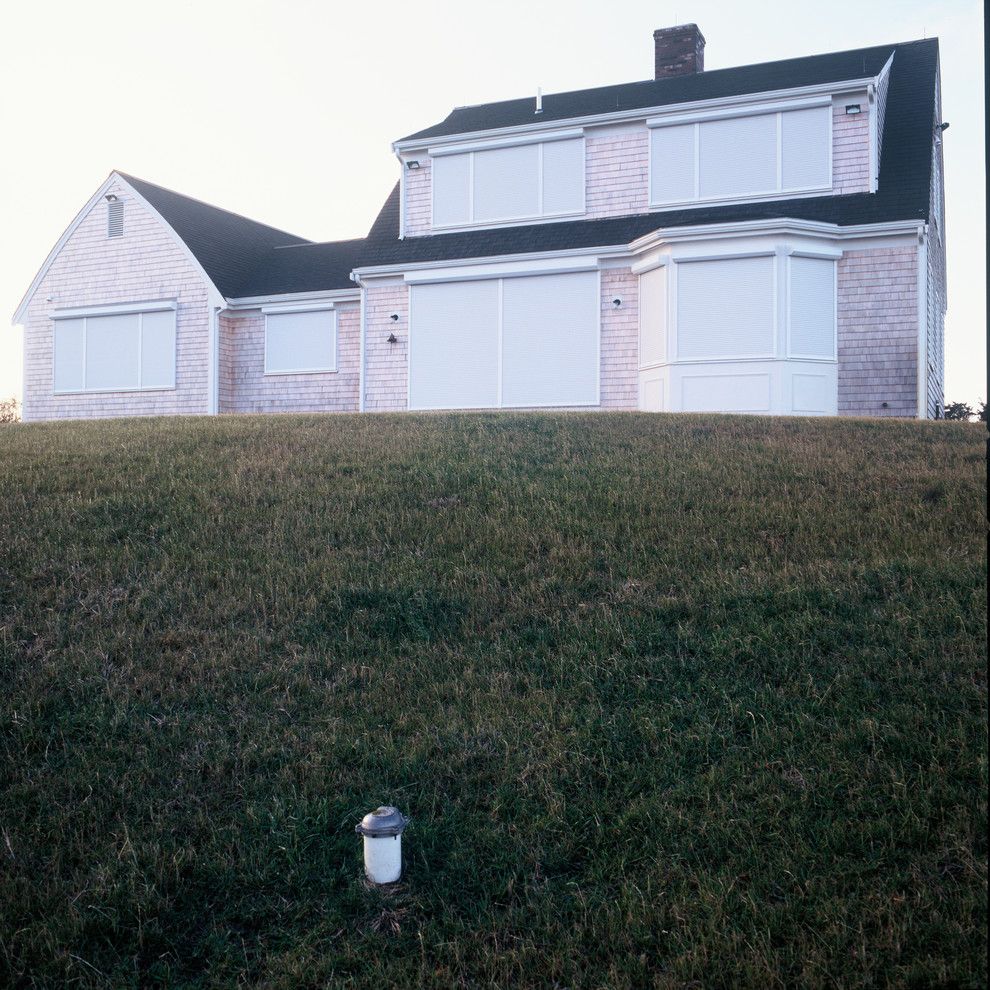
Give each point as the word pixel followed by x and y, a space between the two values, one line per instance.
pixel 686 139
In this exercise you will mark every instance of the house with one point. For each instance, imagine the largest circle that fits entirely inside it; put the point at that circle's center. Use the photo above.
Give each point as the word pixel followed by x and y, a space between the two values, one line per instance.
pixel 762 239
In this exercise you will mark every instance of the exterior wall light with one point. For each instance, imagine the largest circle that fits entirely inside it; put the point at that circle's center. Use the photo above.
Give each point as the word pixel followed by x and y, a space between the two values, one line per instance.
pixel 382 832
pixel 617 302
pixel 854 108
pixel 392 339
pixel 412 165
pixel 110 198
pixel 394 317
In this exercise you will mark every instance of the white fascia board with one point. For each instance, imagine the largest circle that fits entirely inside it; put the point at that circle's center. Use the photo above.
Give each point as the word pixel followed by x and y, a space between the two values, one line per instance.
pixel 749 110
pixel 461 273
pixel 295 298
pixel 377 271
pixel 115 309
pixel 505 142
pixel 640 113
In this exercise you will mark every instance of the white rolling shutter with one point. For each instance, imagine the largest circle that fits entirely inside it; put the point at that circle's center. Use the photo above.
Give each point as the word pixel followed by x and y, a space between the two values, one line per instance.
pixel 112 352
pixel 812 307
pixel 451 190
pixel 653 317
pixel 725 308
pixel 805 139
pixel 672 164
pixel 453 345
pixel 158 349
pixel 550 340
pixel 69 351
pixel 563 176
pixel 300 342
pixel 506 183
pixel 738 156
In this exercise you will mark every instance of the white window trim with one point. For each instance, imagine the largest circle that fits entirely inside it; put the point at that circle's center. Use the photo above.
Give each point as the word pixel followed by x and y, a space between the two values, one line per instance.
pixel 121 309
pixel 471 149
pixel 695 120
pixel 280 310
pixel 498 371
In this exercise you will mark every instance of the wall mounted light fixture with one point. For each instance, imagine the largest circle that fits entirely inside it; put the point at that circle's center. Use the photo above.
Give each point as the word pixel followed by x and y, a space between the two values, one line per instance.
pixel 394 317
pixel 617 302
pixel 854 108
pixel 412 165
pixel 110 198
pixel 392 339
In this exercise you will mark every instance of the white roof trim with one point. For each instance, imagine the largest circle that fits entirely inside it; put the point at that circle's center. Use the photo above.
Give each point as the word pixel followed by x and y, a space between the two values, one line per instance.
pixel 216 298
pixel 295 298
pixel 638 113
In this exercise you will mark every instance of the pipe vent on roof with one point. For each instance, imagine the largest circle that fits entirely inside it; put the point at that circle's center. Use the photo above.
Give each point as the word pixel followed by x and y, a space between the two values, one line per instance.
pixel 115 218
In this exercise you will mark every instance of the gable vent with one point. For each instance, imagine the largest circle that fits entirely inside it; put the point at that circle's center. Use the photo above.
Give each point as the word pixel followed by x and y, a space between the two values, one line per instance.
pixel 115 218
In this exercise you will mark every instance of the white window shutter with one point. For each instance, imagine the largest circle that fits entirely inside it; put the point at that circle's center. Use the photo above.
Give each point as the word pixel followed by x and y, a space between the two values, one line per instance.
pixel 300 342
pixel 69 350
pixel 453 345
pixel 725 308
pixel 550 340
pixel 112 352
pixel 738 156
pixel 653 316
pixel 812 307
pixel 672 164
pixel 158 349
pixel 563 176
pixel 506 183
pixel 805 139
pixel 451 190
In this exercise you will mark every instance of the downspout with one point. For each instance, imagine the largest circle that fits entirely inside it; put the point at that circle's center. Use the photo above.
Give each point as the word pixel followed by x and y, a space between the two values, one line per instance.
pixel 213 350
pixel 923 322
pixel 357 281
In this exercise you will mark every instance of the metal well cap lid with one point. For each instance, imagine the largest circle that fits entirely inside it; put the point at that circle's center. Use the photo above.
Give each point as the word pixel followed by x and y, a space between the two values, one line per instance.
pixel 381 822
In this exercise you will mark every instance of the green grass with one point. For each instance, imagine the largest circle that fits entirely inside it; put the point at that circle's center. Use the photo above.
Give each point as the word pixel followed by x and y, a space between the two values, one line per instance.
pixel 672 701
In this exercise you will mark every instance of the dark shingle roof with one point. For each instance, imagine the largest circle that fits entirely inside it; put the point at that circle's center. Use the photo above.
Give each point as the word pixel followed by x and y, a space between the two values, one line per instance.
pixel 228 246
pixel 903 187
pixel 736 81
pixel 245 258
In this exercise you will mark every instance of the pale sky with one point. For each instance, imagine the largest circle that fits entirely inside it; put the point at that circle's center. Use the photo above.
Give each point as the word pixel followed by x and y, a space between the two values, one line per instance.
pixel 283 110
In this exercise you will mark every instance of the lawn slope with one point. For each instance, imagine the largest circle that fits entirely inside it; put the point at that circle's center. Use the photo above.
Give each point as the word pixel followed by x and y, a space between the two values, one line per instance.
pixel 671 700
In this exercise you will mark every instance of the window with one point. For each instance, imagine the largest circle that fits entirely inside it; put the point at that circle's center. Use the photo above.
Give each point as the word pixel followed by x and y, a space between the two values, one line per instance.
pixel 726 308
pixel 113 351
pixel 764 154
pixel 300 341
pixel 524 181
pixel 812 308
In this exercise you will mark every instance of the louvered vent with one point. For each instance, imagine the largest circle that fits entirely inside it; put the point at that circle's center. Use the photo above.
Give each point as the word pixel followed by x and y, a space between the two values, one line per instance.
pixel 115 218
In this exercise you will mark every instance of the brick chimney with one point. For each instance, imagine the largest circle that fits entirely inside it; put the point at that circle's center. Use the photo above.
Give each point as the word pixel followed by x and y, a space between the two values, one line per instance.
pixel 679 51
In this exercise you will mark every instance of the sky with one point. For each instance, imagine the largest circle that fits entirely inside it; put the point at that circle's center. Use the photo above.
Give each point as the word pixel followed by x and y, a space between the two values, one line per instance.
pixel 284 110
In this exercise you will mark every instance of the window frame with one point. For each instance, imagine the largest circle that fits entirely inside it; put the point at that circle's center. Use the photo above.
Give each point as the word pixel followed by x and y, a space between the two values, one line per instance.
pixel 470 150
pixel 84 313
pixel 775 109
pixel 328 308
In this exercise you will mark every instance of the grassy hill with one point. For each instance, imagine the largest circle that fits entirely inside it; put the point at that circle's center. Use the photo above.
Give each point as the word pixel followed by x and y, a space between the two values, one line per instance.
pixel 671 701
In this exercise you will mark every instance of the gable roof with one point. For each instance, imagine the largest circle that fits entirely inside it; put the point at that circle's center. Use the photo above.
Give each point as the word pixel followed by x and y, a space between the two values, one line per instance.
pixel 740 80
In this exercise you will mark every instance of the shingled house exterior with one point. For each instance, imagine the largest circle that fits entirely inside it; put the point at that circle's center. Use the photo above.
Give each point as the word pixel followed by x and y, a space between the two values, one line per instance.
pixel 762 239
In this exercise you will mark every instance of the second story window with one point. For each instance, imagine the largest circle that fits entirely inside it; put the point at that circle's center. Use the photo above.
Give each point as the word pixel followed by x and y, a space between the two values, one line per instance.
pixel 760 155
pixel 503 184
